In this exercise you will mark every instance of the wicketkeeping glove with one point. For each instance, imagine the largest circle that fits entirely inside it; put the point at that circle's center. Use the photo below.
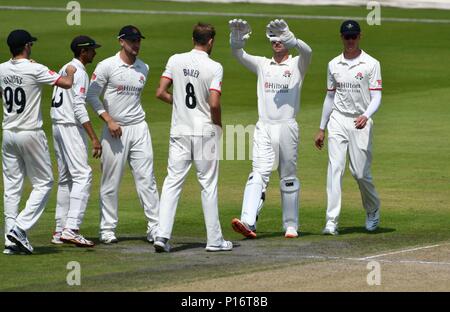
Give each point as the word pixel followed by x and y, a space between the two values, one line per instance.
pixel 240 32
pixel 280 29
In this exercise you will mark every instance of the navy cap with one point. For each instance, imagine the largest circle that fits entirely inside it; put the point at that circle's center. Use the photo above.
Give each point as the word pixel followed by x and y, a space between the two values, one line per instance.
pixel 19 38
pixel 83 42
pixel 350 27
pixel 130 32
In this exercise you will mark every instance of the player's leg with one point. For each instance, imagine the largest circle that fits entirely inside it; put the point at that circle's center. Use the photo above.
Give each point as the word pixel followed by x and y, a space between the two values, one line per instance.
pixel 178 166
pixel 141 163
pixel 13 178
pixel 337 152
pixel 207 165
pixel 34 148
pixel 114 157
pixel 263 161
pixel 64 185
pixel 289 183
pixel 360 152
pixel 75 147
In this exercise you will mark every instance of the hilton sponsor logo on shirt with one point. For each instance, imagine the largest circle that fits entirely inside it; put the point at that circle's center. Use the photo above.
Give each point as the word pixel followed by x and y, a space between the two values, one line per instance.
pixel 348 86
pixel 128 90
pixel 273 87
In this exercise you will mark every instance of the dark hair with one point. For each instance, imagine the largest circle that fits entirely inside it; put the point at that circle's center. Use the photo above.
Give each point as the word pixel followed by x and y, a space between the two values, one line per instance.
pixel 202 33
pixel 77 51
pixel 16 50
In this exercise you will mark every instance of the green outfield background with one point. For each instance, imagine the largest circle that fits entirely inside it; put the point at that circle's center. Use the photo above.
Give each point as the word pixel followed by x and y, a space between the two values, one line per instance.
pixel 411 145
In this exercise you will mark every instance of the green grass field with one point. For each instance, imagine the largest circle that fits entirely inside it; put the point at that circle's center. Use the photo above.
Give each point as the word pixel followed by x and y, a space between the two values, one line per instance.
pixel 411 165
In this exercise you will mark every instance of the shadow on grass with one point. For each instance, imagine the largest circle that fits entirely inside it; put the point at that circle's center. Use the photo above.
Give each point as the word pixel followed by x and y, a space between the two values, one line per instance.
pixel 45 250
pixel 274 234
pixel 185 246
pixel 361 229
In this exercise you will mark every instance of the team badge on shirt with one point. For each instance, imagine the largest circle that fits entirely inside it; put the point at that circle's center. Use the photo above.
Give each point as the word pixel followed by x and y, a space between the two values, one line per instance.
pixel 287 74
pixel 142 79
pixel 359 76
pixel 94 76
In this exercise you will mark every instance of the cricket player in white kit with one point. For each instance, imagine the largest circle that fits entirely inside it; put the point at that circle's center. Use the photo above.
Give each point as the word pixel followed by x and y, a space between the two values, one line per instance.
pixel 70 125
pixel 24 146
pixel 194 135
pixel 276 135
pixel 126 137
pixel 353 96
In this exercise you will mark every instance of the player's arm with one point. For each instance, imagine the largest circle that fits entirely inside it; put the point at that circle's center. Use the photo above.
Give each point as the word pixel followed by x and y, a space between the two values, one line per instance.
pixel 66 82
pixel 240 32
pixel 375 87
pixel 327 108
pixel 98 84
pixel 215 91
pixel 81 114
pixel 162 92
pixel 214 104
pixel 326 113
pixel 281 29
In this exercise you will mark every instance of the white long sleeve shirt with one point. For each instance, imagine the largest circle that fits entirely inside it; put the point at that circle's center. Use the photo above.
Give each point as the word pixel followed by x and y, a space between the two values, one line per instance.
pixel 69 105
pixel 353 81
pixel 194 75
pixel 279 84
pixel 121 86
pixel 21 82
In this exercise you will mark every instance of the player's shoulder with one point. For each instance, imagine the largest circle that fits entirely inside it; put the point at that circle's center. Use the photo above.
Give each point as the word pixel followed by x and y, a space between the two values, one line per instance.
pixel 215 65
pixel 369 58
pixel 141 64
pixel 335 60
pixel 107 62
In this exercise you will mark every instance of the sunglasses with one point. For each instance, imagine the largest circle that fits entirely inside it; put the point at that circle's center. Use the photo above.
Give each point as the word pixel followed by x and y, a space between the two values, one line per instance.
pixel 348 37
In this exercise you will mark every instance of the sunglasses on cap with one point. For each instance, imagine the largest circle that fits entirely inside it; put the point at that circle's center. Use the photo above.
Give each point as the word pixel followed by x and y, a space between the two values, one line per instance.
pixel 348 37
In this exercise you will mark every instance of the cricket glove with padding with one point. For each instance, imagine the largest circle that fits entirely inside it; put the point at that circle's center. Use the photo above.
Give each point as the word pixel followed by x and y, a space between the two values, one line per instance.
pixel 240 32
pixel 279 28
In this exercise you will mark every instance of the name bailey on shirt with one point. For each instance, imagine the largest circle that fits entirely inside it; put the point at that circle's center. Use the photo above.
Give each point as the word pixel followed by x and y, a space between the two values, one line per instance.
pixel 274 87
pixel 13 79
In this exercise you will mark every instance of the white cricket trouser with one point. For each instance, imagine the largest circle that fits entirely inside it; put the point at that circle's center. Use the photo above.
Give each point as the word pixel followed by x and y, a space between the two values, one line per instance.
pixel 275 145
pixel 343 136
pixel 25 153
pixel 204 152
pixel 75 175
pixel 134 147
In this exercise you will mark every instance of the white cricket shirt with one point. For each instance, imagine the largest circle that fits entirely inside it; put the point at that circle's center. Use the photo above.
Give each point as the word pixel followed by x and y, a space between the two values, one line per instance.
pixel 279 84
pixel 68 105
pixel 21 82
pixel 353 80
pixel 121 85
pixel 193 75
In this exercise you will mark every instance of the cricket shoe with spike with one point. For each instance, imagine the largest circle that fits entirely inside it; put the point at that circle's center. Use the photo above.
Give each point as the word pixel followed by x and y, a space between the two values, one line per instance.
pixel 74 237
pixel 161 244
pixel 242 228
pixel 291 232
pixel 56 238
pixel 225 246
pixel 19 237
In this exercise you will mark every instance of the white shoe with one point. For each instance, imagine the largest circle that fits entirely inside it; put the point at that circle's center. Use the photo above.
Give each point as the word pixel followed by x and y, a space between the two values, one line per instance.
pixel 108 238
pixel 291 232
pixel 372 220
pixel 11 250
pixel 19 237
pixel 161 244
pixel 73 237
pixel 330 229
pixel 151 236
pixel 56 238
pixel 225 246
